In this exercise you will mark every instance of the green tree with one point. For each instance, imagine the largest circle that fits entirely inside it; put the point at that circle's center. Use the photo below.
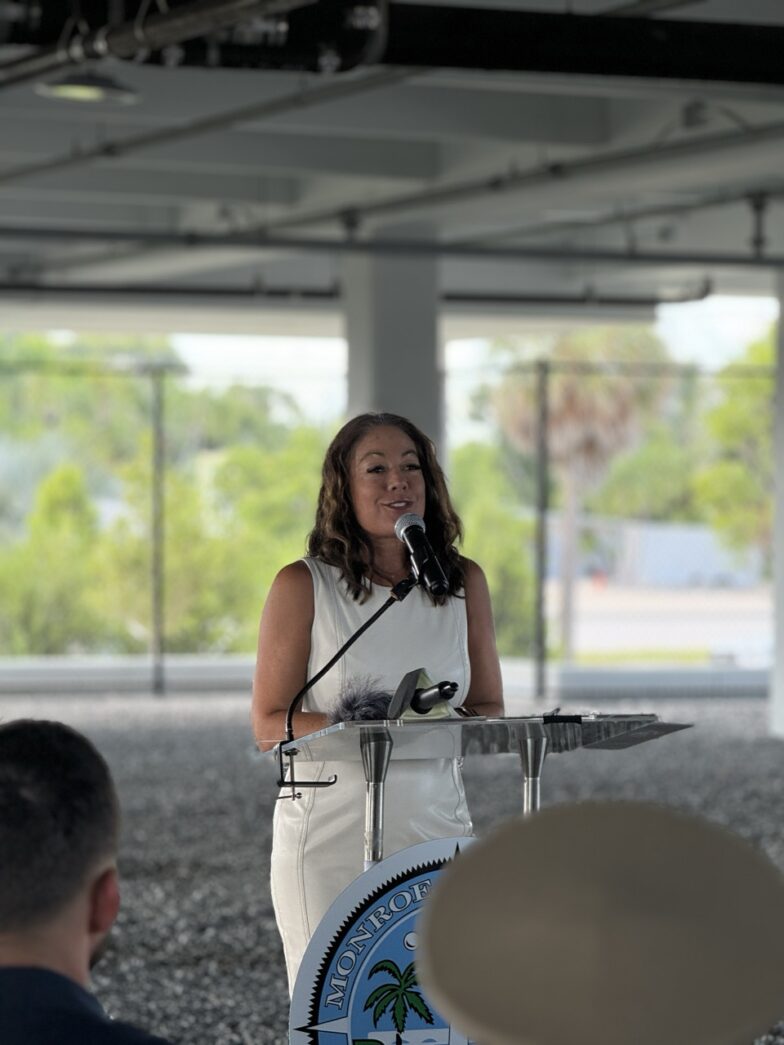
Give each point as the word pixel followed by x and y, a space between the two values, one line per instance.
pixel 735 489
pixel 264 504
pixel 401 996
pixel 652 481
pixel 213 418
pixel 498 537
pixel 232 519
pixel 89 400
pixel 202 585
pixel 95 381
pixel 47 578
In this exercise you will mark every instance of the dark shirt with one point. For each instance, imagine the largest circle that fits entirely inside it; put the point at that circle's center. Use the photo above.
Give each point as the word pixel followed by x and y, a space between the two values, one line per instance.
pixel 40 1007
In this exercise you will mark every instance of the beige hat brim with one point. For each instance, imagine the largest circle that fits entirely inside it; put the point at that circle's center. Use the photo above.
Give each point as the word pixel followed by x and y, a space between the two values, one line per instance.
pixel 612 923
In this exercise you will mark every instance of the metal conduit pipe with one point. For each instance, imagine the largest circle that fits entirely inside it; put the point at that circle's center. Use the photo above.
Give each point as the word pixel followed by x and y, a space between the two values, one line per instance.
pixel 397 248
pixel 595 256
pixel 134 37
pixel 626 216
pixel 296 295
pixel 587 299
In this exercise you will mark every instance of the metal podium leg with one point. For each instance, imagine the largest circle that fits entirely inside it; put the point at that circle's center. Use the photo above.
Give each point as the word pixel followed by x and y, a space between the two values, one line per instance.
pixel 376 748
pixel 532 755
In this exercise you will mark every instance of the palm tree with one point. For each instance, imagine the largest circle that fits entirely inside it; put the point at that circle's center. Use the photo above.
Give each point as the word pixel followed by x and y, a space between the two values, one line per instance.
pixel 594 412
pixel 401 996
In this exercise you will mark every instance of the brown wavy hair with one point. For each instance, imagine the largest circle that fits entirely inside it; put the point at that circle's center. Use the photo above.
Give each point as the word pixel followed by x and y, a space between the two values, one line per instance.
pixel 338 539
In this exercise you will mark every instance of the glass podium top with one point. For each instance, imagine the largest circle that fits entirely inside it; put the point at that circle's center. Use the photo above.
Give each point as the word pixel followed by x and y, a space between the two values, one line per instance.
pixel 455 737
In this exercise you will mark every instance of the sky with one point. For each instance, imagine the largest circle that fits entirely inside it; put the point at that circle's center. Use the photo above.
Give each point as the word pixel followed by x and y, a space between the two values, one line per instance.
pixel 313 370
pixel 713 332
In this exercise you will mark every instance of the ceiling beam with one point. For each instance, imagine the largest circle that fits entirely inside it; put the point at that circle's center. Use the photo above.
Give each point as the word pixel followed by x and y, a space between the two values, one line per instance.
pixel 424 113
pixel 232 152
pixel 635 8
pixel 667 166
pixel 95 215
pixel 597 86
pixel 193 128
pixel 458 37
pixel 150 188
pixel 436 36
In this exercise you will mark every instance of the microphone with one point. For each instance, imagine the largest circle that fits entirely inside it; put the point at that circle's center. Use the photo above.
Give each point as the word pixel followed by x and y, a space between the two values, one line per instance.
pixel 361 700
pixel 426 699
pixel 410 529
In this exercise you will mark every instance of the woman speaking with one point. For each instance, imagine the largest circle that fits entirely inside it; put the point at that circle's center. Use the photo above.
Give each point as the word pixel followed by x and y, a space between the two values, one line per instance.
pixel 378 468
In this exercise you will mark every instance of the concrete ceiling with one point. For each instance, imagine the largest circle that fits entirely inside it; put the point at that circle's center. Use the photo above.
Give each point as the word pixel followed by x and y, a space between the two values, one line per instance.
pixel 547 150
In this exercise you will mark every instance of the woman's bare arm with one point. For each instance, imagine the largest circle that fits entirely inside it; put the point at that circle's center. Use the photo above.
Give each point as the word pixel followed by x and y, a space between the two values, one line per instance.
pixel 282 659
pixel 485 694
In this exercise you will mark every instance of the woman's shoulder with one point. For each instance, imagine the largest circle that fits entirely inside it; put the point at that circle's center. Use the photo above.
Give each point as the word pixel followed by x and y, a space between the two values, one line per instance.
pixel 474 580
pixel 295 578
pixel 471 569
pixel 289 600
pixel 308 572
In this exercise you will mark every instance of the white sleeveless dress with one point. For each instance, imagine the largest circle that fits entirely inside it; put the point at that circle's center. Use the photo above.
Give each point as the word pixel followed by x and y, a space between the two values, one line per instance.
pixel 317 847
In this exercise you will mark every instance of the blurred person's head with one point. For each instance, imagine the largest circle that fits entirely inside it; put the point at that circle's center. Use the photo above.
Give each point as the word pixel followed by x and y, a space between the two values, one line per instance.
pixel 59 822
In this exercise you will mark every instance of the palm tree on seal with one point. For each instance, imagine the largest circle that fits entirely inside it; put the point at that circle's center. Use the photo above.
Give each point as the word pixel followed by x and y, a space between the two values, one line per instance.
pixel 401 996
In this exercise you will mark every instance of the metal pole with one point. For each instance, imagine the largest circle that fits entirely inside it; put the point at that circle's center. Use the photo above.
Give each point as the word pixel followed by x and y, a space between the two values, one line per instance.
pixel 376 749
pixel 533 750
pixel 776 699
pixel 542 503
pixel 157 563
pixel 257 240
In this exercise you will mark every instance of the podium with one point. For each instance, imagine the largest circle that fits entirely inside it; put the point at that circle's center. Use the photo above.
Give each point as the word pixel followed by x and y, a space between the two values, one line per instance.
pixel 370 931
pixel 531 737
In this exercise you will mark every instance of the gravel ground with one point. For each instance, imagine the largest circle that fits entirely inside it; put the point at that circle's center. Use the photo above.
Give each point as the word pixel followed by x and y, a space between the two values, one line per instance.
pixel 195 955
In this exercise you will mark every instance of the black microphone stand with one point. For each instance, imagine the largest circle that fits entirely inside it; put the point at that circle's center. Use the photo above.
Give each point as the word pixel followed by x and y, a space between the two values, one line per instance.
pixel 398 593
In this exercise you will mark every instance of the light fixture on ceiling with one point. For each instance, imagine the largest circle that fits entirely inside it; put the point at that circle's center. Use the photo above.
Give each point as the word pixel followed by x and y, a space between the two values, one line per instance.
pixel 85 85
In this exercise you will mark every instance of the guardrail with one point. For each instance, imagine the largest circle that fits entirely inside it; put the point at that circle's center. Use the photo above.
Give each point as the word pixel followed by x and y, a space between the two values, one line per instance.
pixel 233 673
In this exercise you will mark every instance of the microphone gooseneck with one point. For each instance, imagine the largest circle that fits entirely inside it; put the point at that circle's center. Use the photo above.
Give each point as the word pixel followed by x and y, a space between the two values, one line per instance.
pixel 397 594
pixel 410 529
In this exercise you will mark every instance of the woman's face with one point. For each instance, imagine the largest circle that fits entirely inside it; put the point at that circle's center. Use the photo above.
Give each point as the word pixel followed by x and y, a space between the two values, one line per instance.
pixel 385 480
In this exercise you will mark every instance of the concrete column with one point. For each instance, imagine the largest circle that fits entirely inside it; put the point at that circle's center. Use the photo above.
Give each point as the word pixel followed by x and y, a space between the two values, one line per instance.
pixel 394 360
pixel 777 676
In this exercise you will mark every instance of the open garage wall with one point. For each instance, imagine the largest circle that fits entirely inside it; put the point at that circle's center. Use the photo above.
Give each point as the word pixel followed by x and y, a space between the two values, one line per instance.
pixel 155 483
